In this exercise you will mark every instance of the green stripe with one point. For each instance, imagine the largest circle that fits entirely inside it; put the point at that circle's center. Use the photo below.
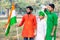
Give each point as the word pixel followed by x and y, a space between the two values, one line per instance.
pixel 7 31
pixel 12 22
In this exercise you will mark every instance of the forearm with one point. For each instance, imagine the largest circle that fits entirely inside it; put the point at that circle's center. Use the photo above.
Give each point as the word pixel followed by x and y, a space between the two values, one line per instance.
pixel 47 11
pixel 54 29
pixel 22 22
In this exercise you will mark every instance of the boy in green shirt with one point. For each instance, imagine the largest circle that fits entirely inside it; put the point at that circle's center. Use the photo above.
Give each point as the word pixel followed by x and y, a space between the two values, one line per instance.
pixel 52 20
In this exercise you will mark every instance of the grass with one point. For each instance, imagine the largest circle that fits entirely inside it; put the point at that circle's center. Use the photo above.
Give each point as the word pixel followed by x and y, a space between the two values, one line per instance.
pixel 13 32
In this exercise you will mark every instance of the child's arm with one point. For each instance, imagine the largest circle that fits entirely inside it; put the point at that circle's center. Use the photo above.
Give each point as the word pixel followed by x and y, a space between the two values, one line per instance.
pixel 35 23
pixel 21 23
pixel 55 24
pixel 46 11
pixel 44 28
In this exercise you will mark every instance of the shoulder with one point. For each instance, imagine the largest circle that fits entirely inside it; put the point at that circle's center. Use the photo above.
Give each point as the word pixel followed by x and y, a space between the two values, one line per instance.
pixel 33 15
pixel 55 14
pixel 24 15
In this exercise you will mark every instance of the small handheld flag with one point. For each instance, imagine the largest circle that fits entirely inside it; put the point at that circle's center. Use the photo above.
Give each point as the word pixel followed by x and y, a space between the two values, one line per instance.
pixel 11 20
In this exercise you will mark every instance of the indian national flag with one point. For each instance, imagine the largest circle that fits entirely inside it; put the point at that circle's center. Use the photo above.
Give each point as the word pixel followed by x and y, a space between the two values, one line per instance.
pixel 11 20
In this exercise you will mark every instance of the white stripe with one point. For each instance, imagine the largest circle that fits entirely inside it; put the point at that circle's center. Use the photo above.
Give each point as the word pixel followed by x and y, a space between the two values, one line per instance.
pixel 6 28
pixel 13 13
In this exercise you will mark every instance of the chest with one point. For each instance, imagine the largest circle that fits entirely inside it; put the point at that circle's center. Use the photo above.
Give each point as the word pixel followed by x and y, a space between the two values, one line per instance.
pixel 29 18
pixel 50 17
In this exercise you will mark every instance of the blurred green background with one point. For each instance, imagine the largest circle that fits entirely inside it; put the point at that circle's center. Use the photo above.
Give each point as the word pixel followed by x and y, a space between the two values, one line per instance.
pixel 20 5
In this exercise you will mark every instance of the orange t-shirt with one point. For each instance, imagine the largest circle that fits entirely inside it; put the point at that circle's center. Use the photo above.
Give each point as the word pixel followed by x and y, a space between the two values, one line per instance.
pixel 30 24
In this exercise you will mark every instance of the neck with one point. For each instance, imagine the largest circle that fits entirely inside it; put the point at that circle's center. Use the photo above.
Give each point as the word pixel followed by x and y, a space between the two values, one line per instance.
pixel 41 19
pixel 52 10
pixel 29 13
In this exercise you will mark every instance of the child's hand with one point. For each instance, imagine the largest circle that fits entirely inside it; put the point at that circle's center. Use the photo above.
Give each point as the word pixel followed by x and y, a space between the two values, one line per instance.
pixel 17 25
pixel 35 33
pixel 52 34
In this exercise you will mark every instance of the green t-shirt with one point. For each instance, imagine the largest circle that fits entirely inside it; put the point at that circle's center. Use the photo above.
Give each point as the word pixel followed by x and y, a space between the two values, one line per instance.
pixel 55 18
pixel 52 17
pixel 52 20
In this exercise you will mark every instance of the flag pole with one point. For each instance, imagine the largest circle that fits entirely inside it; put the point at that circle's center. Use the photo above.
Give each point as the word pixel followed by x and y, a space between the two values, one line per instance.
pixel 17 33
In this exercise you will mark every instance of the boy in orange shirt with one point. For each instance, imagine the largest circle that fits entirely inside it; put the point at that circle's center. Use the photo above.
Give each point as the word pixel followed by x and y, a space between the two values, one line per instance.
pixel 29 22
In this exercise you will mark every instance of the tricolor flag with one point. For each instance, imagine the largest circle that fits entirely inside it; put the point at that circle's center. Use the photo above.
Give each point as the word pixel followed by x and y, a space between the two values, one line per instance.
pixel 11 20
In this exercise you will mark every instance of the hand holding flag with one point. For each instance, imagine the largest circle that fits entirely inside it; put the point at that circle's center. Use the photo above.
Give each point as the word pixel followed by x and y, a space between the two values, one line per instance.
pixel 17 25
